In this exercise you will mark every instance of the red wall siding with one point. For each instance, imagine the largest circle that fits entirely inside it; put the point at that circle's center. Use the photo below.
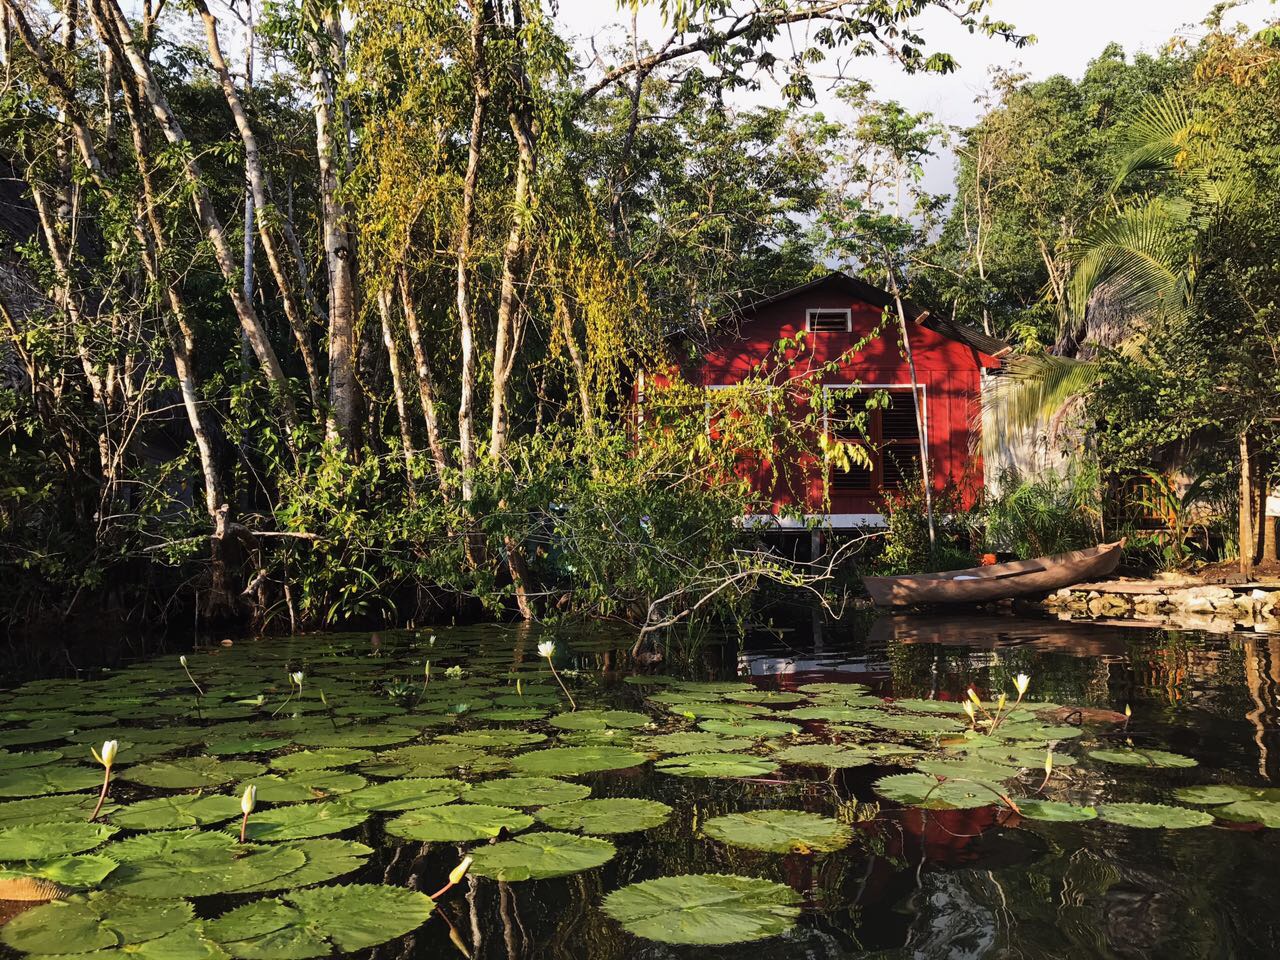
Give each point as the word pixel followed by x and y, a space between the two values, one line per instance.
pixel 948 370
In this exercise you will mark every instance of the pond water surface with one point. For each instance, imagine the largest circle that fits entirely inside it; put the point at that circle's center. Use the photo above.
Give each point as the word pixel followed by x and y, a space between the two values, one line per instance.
pixel 882 867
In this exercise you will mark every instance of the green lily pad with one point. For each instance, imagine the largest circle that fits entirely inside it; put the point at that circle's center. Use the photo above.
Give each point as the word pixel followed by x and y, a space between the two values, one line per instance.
pixel 18 759
pixel 705 909
pixel 232 746
pixel 835 713
pixel 45 840
pixel 76 807
pixel 325 859
pixel 320 922
pixel 695 741
pixel 967 768
pixel 923 790
pixel 41 781
pixel 1265 812
pixel 326 758
pixel 539 856
pixel 458 822
pixel 301 821
pixel 823 755
pixel 304 785
pixel 749 728
pixel 779 831
pixel 511 714
pixel 526 792
pixel 432 759
pixel 716 765
pixel 86 870
pixel 912 723
pixel 599 720
pixel 611 815
pixel 85 923
pixel 1220 793
pixel 489 739
pixel 947 707
pixel 177 811
pixel 191 773
pixel 1054 811
pixel 574 761
pixel 835 688
pixel 1132 757
pixel 1021 756
pixel 194 864
pixel 776 698
pixel 412 794
pixel 1153 815
pixel 361 736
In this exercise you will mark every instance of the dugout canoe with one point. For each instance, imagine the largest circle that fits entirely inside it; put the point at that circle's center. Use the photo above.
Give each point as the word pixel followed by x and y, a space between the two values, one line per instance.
pixel 999 581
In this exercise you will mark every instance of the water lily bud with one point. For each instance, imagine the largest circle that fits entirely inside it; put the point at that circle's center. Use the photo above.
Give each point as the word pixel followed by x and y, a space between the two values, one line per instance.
pixel 546 649
pixel 249 800
pixel 1003 700
pixel 973 697
pixel 183 660
pixel 297 677
pixel 1048 763
pixel 1128 711
pixel 970 712
pixel 460 870
pixel 108 755
pixel 1021 683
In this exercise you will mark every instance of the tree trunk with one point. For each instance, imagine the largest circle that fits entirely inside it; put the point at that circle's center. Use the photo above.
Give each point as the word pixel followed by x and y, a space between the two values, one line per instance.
pixel 397 381
pixel 916 402
pixel 480 13
pixel 426 388
pixel 111 19
pixel 507 337
pixel 344 406
pixel 258 203
pixel 1246 507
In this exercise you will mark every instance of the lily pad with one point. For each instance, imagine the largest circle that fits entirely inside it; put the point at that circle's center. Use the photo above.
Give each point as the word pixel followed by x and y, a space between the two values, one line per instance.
pixel 716 765
pixel 190 773
pixel 704 909
pixel 749 728
pixel 968 768
pixel 780 831
pixel 360 736
pixel 85 870
pixel 1153 815
pixel 301 821
pixel 923 790
pixel 695 741
pixel 325 859
pixel 778 698
pixel 526 792
pixel 1054 811
pixel 1022 756
pixel 1220 793
pixel 1132 757
pixel 574 761
pixel 823 755
pixel 494 739
pixel 304 785
pixel 412 794
pixel 458 822
pixel 43 809
pixel 95 921
pixel 1265 812
pixel 538 856
pixel 912 723
pixel 41 781
pixel 325 758
pixel 191 864
pixel 46 840
pixel 177 811
pixel 599 720
pixel 611 815
pixel 320 922
pixel 18 759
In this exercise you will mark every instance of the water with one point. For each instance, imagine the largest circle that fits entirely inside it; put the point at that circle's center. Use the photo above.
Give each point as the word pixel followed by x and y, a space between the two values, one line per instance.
pixel 912 883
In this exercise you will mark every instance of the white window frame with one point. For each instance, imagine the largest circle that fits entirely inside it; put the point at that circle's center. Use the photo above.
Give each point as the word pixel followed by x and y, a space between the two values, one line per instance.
pixel 809 313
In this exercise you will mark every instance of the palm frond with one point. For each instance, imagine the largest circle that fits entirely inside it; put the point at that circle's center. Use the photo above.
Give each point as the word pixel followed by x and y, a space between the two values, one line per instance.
pixel 1156 137
pixel 1141 254
pixel 1032 393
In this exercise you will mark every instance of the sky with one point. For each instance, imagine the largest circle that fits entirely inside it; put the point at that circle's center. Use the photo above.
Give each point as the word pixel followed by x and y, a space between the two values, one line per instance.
pixel 1069 34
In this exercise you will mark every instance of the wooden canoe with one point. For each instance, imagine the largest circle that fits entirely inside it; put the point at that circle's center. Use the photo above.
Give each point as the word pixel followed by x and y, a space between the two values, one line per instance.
pixel 1000 581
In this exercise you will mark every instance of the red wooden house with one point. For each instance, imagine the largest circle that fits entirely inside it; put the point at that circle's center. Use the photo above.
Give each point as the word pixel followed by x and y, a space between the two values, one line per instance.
pixel 837 313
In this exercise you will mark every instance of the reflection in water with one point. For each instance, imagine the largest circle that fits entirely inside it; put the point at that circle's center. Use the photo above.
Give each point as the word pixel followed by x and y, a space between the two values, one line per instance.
pixel 1262 674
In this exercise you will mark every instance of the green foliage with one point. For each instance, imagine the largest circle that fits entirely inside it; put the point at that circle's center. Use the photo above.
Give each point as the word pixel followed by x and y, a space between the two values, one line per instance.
pixel 1041 516
pixel 906 544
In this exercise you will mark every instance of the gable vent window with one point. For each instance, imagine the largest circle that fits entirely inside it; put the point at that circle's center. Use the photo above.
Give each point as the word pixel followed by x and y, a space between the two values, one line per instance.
pixel 828 321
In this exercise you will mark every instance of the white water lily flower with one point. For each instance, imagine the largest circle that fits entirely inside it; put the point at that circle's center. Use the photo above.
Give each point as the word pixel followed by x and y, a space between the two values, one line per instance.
pixel 1021 683
pixel 546 649
pixel 969 711
pixel 108 755
pixel 249 800
pixel 297 677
